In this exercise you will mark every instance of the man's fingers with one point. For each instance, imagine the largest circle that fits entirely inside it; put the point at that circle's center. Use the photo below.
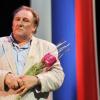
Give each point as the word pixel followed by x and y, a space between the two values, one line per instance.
pixel 20 82
pixel 11 91
pixel 20 89
pixel 23 92
pixel 16 85
pixel 11 81
pixel 21 77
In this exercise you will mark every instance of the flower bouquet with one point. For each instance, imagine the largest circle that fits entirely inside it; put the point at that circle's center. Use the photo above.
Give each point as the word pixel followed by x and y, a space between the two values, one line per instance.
pixel 48 60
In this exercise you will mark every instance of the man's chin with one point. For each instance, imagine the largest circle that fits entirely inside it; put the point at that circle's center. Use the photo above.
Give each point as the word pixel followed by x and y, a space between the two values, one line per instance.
pixel 19 33
pixel 23 36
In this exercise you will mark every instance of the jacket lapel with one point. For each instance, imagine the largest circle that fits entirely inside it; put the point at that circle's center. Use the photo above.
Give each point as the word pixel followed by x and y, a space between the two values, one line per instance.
pixel 33 56
pixel 8 52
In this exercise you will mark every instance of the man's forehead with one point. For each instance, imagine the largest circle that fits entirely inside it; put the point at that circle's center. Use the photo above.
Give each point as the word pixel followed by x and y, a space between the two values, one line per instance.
pixel 24 12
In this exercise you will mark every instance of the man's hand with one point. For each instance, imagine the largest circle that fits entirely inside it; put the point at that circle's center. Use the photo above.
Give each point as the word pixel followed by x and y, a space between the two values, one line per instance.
pixel 10 92
pixel 28 83
pixel 11 81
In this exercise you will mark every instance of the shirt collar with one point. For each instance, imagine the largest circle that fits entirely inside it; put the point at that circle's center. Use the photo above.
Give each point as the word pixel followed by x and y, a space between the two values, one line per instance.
pixel 27 45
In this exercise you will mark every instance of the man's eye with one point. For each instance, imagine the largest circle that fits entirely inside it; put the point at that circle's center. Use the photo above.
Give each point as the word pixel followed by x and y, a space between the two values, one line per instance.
pixel 26 20
pixel 17 19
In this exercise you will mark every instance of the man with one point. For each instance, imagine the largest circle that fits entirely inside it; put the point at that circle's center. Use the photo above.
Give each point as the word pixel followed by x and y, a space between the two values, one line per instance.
pixel 21 50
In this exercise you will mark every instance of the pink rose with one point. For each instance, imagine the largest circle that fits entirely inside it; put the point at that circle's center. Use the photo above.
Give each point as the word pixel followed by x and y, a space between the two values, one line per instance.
pixel 48 60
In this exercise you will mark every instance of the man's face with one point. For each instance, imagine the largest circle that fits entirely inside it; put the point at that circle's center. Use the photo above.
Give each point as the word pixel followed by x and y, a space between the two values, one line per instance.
pixel 22 25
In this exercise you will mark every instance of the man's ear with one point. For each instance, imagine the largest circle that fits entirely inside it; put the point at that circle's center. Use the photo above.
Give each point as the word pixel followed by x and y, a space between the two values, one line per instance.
pixel 33 29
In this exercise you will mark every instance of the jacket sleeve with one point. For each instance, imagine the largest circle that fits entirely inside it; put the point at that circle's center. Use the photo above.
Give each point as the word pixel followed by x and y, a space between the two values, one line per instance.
pixel 53 79
pixel 3 65
pixel 2 77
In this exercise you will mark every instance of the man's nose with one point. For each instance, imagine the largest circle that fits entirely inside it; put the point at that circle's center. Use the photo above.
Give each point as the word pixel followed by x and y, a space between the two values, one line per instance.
pixel 20 23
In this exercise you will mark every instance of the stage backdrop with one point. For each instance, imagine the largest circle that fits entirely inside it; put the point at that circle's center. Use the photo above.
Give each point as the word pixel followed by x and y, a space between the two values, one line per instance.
pixel 73 21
